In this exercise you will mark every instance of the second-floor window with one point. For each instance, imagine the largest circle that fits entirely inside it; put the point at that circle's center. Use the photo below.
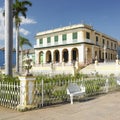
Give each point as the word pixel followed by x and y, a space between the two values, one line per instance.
pixel 64 37
pixel 111 45
pixel 41 41
pixel 74 35
pixel 107 44
pixel 87 35
pixel 55 38
pixel 97 40
pixel 115 46
pixel 48 40
pixel 103 42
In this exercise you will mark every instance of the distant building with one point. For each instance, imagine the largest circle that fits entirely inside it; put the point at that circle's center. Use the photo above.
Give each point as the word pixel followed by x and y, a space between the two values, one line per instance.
pixel 74 43
pixel 2 57
pixel 30 53
pixel 119 49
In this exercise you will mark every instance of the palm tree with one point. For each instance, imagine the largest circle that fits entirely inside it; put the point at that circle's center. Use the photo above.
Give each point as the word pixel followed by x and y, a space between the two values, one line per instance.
pixel 23 41
pixel 19 8
pixel 8 37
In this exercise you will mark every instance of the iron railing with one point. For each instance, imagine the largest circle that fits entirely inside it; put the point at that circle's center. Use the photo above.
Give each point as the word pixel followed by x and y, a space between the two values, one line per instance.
pixel 9 94
pixel 54 92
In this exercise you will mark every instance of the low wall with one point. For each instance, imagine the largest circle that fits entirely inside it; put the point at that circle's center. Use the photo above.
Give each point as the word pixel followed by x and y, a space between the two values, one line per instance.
pixel 53 70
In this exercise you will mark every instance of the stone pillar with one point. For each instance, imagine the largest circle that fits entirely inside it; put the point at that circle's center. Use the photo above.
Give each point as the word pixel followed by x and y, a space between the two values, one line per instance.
pixel 70 56
pixel 37 57
pixel 60 51
pixel 93 53
pixel 82 54
pixel 104 54
pixel 86 55
pixel 43 57
pixel 76 64
pixel 52 56
pixel 96 60
pixel 26 93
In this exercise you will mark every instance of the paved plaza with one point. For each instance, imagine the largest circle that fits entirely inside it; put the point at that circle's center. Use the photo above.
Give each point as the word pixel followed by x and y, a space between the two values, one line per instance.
pixel 106 107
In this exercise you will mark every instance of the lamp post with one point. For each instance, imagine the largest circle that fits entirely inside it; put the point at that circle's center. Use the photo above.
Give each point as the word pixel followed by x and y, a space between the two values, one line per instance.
pixel 104 53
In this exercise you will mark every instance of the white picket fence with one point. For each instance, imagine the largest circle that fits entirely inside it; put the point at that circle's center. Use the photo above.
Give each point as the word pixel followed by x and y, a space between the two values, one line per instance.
pixel 54 92
pixel 9 94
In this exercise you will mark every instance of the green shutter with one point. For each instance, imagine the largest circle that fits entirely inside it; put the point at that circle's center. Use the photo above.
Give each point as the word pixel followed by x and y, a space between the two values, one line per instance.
pixel 74 35
pixel 64 37
pixel 87 35
pixel 41 41
pixel 56 38
pixel 48 40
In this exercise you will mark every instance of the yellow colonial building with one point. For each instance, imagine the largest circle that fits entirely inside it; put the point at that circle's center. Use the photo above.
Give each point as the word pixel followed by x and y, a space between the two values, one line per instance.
pixel 80 42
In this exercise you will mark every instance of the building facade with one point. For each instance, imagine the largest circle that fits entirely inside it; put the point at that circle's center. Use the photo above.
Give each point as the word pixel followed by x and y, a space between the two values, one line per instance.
pixel 74 43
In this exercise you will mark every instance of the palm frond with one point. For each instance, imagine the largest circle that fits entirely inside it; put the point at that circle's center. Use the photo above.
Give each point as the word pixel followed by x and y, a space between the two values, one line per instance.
pixel 24 41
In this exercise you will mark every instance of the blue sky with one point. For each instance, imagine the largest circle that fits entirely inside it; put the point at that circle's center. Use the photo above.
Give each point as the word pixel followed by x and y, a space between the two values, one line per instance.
pixel 103 15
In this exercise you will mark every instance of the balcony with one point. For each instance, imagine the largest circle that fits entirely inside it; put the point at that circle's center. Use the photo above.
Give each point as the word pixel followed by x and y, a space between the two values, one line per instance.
pixel 65 42
pixel 89 41
pixel 55 43
pixel 38 46
pixel 74 40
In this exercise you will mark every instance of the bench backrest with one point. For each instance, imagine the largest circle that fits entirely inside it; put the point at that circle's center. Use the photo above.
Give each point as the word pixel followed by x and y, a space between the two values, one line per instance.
pixel 73 87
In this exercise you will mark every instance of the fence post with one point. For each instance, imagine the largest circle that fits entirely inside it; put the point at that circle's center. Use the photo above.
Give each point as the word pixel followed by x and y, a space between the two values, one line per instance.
pixel 106 86
pixel 27 87
pixel 42 93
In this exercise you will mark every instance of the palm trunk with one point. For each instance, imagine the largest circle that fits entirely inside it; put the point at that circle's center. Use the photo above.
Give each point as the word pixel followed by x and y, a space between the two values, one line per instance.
pixel 21 59
pixel 17 48
pixel 8 37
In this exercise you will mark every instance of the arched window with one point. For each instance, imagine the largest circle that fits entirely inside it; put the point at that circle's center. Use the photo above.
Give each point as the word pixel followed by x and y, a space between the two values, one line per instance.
pixel 56 56
pixel 48 57
pixel 65 55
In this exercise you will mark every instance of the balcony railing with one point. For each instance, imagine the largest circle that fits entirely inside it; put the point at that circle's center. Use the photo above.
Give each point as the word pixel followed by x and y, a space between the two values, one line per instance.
pixel 74 40
pixel 89 41
pixel 64 42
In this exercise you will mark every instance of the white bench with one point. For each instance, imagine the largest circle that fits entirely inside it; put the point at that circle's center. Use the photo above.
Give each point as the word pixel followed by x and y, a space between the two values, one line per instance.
pixel 75 90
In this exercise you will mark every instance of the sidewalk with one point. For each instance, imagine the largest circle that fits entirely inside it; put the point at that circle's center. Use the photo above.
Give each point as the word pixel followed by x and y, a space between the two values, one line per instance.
pixel 105 107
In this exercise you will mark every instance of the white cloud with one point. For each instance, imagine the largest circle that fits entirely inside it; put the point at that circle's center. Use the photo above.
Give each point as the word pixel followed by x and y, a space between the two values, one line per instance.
pixel 24 31
pixel 27 21
pixel 1 24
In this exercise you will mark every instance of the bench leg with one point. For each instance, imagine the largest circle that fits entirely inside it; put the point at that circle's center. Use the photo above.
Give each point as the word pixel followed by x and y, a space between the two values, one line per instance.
pixel 71 99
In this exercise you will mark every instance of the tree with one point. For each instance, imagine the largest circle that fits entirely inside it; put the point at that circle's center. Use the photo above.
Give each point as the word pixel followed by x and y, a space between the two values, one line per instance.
pixel 19 8
pixel 23 41
pixel 8 37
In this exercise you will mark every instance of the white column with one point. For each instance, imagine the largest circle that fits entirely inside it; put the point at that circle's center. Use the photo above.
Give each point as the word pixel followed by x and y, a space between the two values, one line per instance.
pixel 104 54
pixel 60 53
pixel 44 56
pixel 26 93
pixel 82 54
pixel 36 57
pixel 93 53
pixel 70 55
pixel 86 55
pixel 52 56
